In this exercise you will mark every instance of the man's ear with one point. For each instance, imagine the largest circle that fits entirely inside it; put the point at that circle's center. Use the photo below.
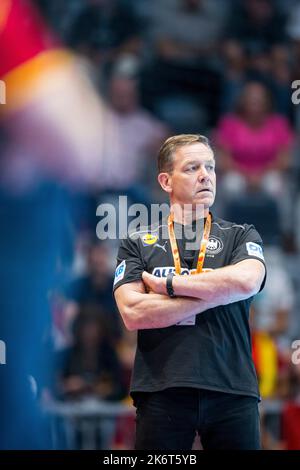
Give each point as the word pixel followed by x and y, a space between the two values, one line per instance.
pixel 165 181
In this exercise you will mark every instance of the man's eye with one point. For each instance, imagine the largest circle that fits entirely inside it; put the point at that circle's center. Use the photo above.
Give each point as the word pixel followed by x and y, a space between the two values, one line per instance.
pixel 210 167
pixel 191 168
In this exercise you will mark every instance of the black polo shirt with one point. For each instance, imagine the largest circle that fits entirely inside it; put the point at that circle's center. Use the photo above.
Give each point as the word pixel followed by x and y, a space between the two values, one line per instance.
pixel 214 353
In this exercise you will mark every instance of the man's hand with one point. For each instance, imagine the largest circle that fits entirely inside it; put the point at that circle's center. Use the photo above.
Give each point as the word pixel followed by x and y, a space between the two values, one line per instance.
pixel 154 284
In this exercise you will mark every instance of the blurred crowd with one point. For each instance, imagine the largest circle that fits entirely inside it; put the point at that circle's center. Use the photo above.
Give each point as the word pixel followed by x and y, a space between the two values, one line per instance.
pixel 219 68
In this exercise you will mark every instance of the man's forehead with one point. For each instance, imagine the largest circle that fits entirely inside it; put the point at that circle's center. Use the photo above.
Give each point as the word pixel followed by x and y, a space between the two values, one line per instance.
pixel 195 151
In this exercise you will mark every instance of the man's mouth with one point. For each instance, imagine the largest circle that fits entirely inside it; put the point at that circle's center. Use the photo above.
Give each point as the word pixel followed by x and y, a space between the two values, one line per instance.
pixel 204 190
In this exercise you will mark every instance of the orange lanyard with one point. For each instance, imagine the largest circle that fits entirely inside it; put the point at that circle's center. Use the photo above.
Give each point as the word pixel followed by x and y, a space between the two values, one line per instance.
pixel 203 245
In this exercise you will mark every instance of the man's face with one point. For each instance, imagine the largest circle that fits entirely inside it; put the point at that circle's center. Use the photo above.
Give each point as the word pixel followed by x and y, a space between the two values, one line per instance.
pixel 124 95
pixel 193 180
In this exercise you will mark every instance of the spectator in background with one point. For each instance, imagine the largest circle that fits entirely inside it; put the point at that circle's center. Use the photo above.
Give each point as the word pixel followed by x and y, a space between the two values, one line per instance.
pixel 253 140
pixel 125 427
pixel 90 366
pixel 257 24
pixel 186 30
pixel 185 38
pixel 234 74
pixel 291 411
pixel 105 29
pixel 271 325
pixel 254 205
pixel 88 371
pixel 131 125
pixel 282 78
pixel 268 65
pixel 94 287
pixel 271 321
pixel 255 146
pixel 274 306
pixel 258 28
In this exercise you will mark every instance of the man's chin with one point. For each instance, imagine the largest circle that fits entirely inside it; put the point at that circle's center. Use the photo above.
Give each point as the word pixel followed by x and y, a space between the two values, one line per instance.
pixel 206 201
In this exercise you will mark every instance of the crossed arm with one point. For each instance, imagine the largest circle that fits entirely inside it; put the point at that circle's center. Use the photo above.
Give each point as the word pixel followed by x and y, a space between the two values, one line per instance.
pixel 195 294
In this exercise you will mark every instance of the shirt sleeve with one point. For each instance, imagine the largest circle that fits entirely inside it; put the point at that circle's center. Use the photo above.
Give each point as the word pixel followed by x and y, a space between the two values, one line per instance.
pixel 226 132
pixel 283 133
pixel 249 245
pixel 129 263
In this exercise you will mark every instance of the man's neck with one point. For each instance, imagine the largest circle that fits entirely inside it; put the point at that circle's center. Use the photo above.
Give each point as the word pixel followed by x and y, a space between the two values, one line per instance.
pixel 185 214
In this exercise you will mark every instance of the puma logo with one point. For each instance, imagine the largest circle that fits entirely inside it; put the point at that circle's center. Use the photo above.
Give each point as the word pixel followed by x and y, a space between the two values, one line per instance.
pixel 163 247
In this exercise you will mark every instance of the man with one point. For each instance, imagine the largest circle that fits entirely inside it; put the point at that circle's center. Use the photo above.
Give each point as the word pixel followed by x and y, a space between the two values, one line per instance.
pixel 193 369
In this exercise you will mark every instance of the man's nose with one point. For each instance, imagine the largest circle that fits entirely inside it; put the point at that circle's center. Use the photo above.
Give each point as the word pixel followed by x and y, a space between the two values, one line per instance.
pixel 203 173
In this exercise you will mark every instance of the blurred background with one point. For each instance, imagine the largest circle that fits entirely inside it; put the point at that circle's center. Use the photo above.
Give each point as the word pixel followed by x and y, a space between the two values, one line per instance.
pixel 155 68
